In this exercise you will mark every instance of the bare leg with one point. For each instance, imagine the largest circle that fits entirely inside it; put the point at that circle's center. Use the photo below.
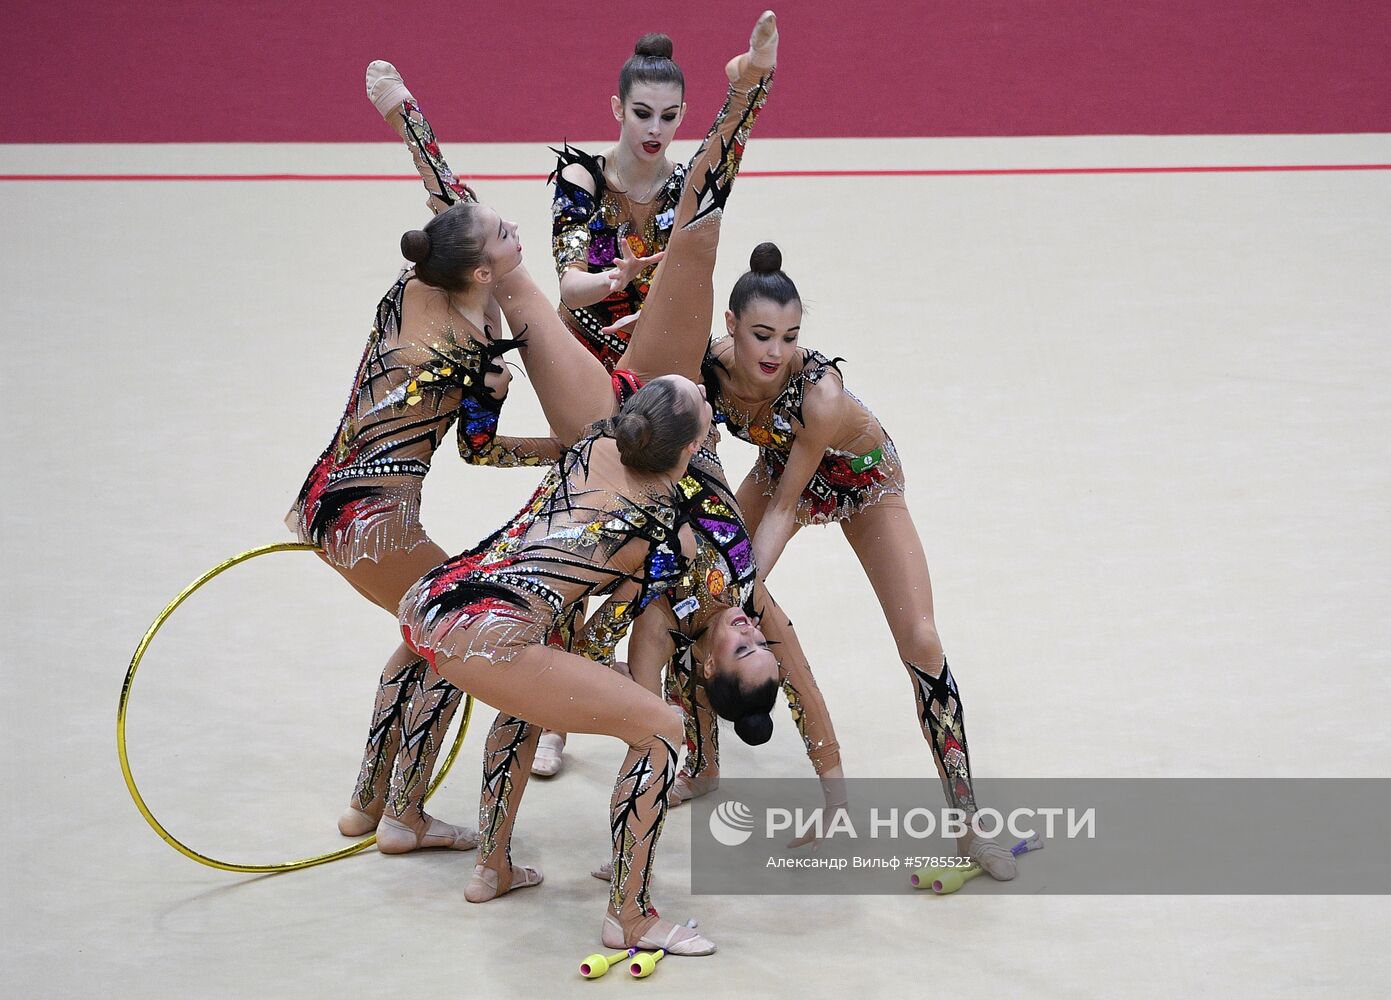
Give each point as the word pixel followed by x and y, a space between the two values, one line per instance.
pixel 573 387
pixel 887 544
pixel 673 329
pixel 559 690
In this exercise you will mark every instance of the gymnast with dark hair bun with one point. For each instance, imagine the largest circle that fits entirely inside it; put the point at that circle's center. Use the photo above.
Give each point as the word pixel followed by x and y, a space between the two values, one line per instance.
pixel 823 457
pixel 432 360
pixel 608 521
pixel 724 612
pixel 612 212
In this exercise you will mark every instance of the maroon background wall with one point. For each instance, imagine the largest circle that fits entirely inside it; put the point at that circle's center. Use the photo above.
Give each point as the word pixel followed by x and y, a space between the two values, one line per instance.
pixel 487 70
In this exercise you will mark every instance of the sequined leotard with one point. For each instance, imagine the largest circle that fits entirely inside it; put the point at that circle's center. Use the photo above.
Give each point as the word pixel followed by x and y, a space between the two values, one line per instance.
pixel 586 229
pixel 720 575
pixel 845 482
pixel 575 539
pixel 362 497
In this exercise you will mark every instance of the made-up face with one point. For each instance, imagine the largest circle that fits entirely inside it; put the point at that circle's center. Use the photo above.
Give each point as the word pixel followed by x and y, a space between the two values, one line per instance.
pixel 649 118
pixel 734 643
pixel 765 340
pixel 502 247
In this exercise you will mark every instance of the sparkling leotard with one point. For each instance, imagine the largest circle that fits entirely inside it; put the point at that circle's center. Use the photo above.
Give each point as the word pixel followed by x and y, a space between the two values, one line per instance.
pixel 721 574
pixel 844 483
pixel 579 536
pixel 586 229
pixel 362 497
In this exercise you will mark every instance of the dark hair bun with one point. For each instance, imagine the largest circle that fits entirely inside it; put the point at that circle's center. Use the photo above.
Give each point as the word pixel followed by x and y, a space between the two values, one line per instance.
pixel 755 729
pixel 653 44
pixel 765 259
pixel 415 245
pixel 633 432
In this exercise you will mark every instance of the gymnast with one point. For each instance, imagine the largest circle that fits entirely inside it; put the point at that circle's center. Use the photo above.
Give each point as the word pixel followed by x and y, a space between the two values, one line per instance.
pixel 605 522
pixel 823 457
pixel 431 358
pixel 724 586
pixel 612 212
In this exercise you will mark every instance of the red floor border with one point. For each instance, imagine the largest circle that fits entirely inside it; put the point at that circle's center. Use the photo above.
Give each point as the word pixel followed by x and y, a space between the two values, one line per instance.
pixel 924 172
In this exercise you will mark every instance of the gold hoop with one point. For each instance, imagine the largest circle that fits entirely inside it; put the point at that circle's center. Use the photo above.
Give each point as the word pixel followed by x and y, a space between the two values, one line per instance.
pixel 165 835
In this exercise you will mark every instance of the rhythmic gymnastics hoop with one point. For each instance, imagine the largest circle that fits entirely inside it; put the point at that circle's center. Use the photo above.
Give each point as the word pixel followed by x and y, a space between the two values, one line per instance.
pixel 165 835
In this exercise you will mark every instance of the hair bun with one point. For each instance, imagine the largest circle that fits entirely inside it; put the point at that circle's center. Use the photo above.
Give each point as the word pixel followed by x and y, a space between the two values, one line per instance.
pixel 765 259
pixel 633 432
pixel 755 729
pixel 655 45
pixel 415 245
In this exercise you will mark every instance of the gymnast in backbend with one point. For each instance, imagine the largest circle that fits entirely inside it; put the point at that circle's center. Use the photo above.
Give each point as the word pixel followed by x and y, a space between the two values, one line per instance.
pixel 606 521
pixel 651 89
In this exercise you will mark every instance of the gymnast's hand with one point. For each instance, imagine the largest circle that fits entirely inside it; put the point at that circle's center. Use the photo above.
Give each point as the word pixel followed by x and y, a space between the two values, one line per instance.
pixel 810 837
pixel 623 323
pixel 626 267
pixel 496 380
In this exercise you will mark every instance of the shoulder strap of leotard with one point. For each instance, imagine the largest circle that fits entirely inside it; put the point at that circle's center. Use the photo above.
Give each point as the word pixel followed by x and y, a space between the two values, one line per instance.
pixel 569 155
pixel 815 367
